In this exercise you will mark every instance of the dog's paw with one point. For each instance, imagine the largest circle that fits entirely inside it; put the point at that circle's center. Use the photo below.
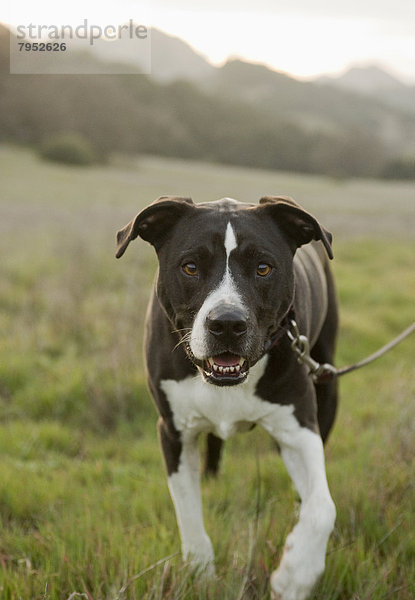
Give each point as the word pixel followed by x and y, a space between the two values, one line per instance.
pixel 286 585
pixel 205 572
pixel 200 557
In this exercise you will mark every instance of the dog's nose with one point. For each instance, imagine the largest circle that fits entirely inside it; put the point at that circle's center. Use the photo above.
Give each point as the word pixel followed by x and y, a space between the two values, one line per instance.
pixel 227 323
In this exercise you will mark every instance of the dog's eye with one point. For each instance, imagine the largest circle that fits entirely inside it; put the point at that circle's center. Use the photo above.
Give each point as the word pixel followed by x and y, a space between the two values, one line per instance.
pixel 263 270
pixel 190 269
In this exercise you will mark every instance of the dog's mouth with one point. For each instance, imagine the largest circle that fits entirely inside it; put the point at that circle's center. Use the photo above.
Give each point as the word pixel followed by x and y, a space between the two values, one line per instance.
pixel 225 369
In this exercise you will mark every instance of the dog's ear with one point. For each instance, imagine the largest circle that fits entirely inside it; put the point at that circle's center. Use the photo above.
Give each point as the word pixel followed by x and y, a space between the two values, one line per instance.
pixel 297 223
pixel 154 222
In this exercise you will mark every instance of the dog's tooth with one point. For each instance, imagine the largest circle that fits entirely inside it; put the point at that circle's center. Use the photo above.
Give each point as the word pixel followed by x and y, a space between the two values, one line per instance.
pixel 221 370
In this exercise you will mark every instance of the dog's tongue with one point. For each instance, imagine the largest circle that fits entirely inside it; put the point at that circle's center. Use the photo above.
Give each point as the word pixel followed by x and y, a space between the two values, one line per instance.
pixel 227 360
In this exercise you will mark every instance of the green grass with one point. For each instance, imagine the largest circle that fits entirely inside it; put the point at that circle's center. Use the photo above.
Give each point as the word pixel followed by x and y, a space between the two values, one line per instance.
pixel 84 504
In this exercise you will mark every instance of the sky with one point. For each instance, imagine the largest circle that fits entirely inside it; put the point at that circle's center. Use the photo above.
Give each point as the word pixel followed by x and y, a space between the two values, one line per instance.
pixel 304 38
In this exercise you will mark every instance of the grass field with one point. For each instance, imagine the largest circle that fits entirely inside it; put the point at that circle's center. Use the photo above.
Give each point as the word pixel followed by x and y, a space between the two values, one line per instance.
pixel 84 504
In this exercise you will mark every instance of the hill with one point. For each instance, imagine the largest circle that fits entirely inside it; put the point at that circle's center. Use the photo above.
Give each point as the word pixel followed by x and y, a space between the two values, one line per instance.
pixel 241 113
pixel 317 107
pixel 365 80
pixel 376 82
pixel 172 59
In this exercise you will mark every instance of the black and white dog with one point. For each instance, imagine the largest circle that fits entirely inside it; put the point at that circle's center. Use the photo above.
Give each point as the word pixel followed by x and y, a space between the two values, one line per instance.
pixel 229 275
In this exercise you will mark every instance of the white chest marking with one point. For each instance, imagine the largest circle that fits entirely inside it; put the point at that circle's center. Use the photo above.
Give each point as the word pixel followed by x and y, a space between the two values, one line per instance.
pixel 198 406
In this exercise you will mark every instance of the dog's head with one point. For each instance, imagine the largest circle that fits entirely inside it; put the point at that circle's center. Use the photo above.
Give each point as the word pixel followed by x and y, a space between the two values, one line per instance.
pixel 226 274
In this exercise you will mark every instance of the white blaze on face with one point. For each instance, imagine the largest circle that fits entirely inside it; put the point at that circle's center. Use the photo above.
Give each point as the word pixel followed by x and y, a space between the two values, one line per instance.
pixel 230 242
pixel 226 292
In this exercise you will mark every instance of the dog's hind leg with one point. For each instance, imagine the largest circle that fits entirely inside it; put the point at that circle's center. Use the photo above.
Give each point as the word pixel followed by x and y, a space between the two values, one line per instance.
pixel 212 455
pixel 184 486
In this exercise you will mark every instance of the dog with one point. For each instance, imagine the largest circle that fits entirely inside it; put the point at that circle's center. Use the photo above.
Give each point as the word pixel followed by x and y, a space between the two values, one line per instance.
pixel 218 362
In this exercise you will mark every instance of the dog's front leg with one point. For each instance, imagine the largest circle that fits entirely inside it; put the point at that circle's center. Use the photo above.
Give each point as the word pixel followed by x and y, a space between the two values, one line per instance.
pixel 184 486
pixel 305 548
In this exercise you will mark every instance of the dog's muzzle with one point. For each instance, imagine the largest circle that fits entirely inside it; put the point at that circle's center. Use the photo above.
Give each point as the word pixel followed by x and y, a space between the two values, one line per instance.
pixel 226 330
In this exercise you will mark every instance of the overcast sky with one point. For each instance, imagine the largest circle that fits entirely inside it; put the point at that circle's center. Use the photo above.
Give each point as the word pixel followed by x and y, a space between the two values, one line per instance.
pixel 301 37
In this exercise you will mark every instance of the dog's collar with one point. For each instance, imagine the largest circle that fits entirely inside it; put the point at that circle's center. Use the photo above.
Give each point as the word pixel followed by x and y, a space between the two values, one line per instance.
pixel 320 373
pixel 282 330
